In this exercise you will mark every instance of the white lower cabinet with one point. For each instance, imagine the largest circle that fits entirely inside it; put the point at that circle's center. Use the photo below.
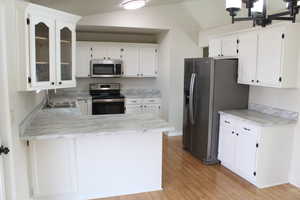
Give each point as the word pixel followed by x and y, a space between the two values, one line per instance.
pixel 259 154
pixel 92 167
pixel 53 167
pixel 143 105
pixel 85 106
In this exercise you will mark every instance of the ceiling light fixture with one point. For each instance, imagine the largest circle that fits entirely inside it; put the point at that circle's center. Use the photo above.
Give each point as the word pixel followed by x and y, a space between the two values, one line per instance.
pixel 257 11
pixel 133 4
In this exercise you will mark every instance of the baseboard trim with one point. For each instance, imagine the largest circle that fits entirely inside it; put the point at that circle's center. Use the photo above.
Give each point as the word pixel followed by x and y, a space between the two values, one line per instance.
pixel 174 133
pixel 295 184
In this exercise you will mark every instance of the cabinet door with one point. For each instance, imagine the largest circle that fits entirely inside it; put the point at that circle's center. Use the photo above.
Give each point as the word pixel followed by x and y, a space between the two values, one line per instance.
pixel 134 109
pixel 42 52
pixel 152 108
pixel 130 57
pixel 248 45
pixel 65 55
pixel 148 61
pixel 99 51
pixel 227 142
pixel 215 47
pixel 83 106
pixel 83 57
pixel 270 56
pixel 245 161
pixel 114 52
pixel 229 46
pixel 53 167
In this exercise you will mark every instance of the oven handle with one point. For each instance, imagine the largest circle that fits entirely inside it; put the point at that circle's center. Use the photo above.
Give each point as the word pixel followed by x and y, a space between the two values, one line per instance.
pixel 108 100
pixel 115 69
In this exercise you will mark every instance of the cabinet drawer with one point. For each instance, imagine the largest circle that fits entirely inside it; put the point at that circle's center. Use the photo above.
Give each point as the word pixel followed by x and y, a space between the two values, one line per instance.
pixel 134 109
pixel 152 101
pixel 133 101
pixel 248 128
pixel 227 121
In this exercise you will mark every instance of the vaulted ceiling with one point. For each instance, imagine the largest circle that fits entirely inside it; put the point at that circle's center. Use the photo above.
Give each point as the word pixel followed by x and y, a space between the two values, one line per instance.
pixel 89 7
pixel 207 13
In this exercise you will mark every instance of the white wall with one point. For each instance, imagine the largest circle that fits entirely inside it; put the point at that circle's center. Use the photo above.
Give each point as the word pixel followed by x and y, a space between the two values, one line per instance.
pixel 20 105
pixel 288 99
pixel 126 83
pixel 179 43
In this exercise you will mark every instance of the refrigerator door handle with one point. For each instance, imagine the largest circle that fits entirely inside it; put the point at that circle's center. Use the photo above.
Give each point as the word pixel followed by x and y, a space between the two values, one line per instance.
pixel 192 85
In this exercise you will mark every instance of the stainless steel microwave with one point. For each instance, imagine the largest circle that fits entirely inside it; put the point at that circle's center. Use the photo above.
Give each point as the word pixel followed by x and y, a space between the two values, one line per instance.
pixel 106 68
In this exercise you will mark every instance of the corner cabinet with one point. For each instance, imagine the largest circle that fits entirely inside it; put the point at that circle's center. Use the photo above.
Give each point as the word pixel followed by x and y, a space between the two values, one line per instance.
pixel 259 154
pixel 267 56
pixel 47 47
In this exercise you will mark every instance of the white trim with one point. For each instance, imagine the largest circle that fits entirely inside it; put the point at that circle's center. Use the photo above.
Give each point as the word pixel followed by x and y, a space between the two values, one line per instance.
pixel 10 186
pixel 174 133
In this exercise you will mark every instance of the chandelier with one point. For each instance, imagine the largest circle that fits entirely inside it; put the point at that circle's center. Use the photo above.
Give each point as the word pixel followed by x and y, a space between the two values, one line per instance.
pixel 257 11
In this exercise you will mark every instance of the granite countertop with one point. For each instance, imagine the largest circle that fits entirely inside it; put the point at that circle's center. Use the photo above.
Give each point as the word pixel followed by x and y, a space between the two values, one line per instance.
pixel 68 122
pixel 259 118
pixel 68 97
pixel 141 93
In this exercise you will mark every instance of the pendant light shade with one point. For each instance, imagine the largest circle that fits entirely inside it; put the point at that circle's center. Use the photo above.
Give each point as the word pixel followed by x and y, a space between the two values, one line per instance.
pixel 258 6
pixel 258 11
pixel 234 4
pixel 133 4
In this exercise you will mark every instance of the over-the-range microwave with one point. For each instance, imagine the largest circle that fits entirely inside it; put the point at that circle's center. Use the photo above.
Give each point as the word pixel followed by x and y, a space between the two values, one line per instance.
pixel 106 68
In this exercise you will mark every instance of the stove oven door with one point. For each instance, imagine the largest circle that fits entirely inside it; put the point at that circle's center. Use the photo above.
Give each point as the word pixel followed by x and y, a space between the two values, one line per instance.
pixel 108 106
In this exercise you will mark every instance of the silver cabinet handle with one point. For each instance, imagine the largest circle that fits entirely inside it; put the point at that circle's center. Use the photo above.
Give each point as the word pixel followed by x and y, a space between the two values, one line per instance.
pixel 192 85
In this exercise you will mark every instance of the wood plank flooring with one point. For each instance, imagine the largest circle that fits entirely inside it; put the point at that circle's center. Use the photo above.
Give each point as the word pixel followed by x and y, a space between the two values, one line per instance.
pixel 186 178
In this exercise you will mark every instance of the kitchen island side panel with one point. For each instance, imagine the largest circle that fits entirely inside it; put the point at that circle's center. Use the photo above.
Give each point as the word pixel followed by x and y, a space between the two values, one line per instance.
pixel 113 165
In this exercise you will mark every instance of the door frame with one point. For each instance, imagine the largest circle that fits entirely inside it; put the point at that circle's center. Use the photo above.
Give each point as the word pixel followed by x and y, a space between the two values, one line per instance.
pixel 7 173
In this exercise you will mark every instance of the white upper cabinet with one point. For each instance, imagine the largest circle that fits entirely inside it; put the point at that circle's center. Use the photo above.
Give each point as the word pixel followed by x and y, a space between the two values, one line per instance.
pixel 148 61
pixel 130 57
pixel 65 54
pixel 229 46
pixel 215 47
pixel 267 56
pixel 139 60
pixel 224 46
pixel 83 58
pixel 46 40
pixel 114 52
pixel 42 52
pixel 99 51
pixel 247 56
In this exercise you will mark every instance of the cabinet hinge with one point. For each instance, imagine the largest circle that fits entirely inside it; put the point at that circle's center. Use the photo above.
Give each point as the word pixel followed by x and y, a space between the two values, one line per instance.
pixel 155 50
pixel 280 79
pixel 28 21
pixel 29 79
pixel 27 143
pixel 254 173
pixel 283 36
pixel 237 41
pixel 237 51
pixel 257 145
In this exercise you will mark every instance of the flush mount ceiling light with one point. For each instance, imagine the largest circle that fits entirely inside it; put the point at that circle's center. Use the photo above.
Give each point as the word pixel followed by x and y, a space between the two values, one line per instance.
pixel 133 4
pixel 257 11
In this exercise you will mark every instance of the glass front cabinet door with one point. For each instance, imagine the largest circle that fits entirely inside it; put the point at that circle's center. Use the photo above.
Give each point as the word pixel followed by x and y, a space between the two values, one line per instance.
pixel 65 51
pixel 42 53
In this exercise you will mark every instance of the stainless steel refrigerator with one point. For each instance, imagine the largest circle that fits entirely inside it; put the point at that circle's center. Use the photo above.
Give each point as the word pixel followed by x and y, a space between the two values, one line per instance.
pixel 210 85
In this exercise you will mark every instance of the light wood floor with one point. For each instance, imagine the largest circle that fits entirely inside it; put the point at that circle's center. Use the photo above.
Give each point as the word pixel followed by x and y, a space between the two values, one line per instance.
pixel 186 178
